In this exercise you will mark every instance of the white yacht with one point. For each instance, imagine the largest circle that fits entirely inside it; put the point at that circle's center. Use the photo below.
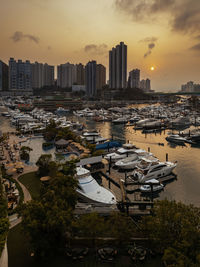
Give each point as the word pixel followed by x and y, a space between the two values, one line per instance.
pixel 121 153
pixel 149 169
pixel 147 187
pixel 131 162
pixel 90 191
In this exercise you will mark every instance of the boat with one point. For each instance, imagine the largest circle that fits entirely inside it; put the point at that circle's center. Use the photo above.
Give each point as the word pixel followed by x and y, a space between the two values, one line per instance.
pixel 108 145
pixel 131 162
pixel 149 169
pixel 175 138
pixel 119 154
pixel 128 162
pixel 147 188
pixel 180 122
pixel 120 120
pixel 90 191
pixel 60 111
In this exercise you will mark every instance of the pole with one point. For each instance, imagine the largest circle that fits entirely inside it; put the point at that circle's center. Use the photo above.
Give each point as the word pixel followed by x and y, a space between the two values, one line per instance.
pixel 109 165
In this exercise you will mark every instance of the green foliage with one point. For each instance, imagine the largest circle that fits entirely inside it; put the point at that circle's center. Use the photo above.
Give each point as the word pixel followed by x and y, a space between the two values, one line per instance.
pixel 46 221
pixel 50 131
pixel 4 223
pixel 54 132
pixel 121 226
pixel 24 152
pixel 91 225
pixel 43 164
pixel 97 153
pixel 91 147
pixel 174 227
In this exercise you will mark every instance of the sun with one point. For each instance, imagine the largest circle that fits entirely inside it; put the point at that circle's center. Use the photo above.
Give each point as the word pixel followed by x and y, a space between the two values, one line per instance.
pixel 152 68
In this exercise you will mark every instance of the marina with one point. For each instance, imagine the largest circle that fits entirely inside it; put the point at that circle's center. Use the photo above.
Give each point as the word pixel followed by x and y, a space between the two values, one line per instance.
pixel 138 132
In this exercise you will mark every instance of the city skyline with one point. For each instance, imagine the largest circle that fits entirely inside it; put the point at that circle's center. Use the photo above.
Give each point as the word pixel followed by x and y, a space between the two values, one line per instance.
pixel 160 34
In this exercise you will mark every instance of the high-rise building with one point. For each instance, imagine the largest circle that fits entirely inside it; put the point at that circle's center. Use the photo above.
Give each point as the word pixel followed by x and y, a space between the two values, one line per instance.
pixel 20 74
pixel 145 85
pixel 48 75
pixel 3 76
pixel 90 78
pixel 100 76
pixel 118 66
pixel 80 74
pixel 42 75
pixel 148 85
pixel 66 75
pixel 134 78
pixel 37 75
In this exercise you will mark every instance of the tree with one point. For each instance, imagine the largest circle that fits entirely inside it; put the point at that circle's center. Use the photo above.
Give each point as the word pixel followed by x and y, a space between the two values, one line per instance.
pixel 175 227
pixel 47 220
pixel 43 164
pixel 91 226
pixel 4 222
pixel 24 152
pixel 121 227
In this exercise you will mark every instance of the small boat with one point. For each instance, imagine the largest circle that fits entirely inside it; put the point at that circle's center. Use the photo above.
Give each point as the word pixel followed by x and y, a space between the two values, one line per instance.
pixel 155 187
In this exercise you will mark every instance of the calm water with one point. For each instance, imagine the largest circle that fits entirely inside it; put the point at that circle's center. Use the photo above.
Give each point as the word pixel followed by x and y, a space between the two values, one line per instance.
pixel 186 187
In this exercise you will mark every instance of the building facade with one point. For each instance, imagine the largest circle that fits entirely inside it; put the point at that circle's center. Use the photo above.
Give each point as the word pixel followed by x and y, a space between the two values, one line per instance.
pixel 118 66
pixel 90 78
pixel 145 85
pixel 100 76
pixel 134 78
pixel 66 75
pixel 190 87
pixel 20 75
pixel 80 74
pixel 3 76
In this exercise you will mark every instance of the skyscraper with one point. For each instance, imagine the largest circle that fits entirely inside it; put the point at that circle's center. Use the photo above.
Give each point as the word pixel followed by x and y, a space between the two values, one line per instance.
pixel 80 74
pixel 3 76
pixel 37 75
pixel 20 74
pixel 134 78
pixel 90 75
pixel 48 75
pixel 100 76
pixel 66 75
pixel 118 66
pixel 148 85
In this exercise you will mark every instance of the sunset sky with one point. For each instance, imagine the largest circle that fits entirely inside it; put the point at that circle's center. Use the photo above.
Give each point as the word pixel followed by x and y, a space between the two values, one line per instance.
pixel 164 34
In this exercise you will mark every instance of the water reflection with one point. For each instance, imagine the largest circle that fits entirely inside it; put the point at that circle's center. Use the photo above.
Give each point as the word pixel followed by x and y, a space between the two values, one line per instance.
pixel 186 187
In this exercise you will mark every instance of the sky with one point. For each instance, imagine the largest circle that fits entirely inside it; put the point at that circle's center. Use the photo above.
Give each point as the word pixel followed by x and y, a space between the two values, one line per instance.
pixel 164 34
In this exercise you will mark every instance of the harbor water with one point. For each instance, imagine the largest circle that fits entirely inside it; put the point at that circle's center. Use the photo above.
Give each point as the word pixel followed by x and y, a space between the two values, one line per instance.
pixel 185 188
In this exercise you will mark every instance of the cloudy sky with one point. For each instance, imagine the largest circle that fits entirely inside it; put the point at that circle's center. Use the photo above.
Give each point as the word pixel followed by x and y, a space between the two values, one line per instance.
pixel 160 33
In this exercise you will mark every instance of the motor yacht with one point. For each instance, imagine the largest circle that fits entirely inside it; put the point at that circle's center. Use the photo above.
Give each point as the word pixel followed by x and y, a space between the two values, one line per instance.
pixel 149 169
pixel 131 162
pixel 90 191
pixel 120 120
pixel 121 153
pixel 175 138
